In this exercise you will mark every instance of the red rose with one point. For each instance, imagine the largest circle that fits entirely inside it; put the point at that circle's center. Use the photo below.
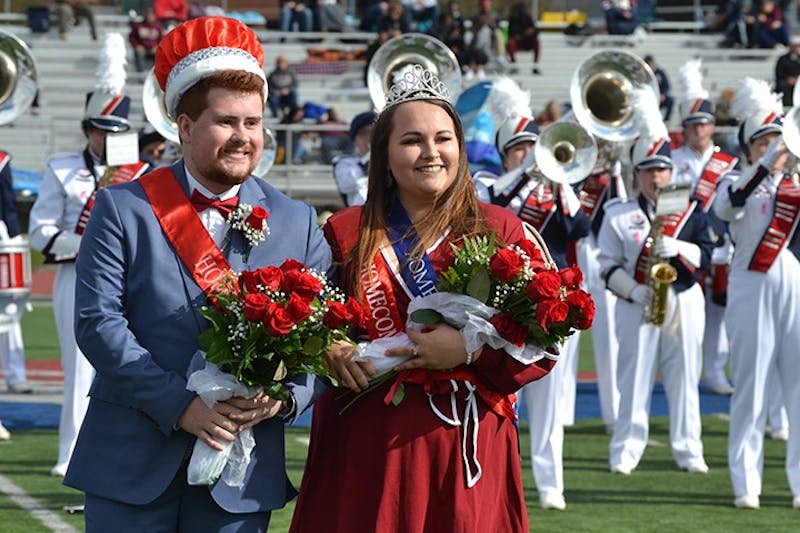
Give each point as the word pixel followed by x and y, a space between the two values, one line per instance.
pixel 551 312
pixel 337 316
pixel 544 285
pixel 298 308
pixel 583 305
pixel 270 277
pixel 257 217
pixel 505 264
pixel 277 321
pixel 509 329
pixel 292 264
pixel 255 306
pixel 571 277
pixel 533 252
pixel 249 280
pixel 301 283
pixel 359 313
pixel 213 301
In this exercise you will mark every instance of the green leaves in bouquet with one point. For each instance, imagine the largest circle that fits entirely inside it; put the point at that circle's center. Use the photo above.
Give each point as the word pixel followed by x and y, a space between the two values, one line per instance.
pixel 426 317
pixel 470 271
pixel 480 286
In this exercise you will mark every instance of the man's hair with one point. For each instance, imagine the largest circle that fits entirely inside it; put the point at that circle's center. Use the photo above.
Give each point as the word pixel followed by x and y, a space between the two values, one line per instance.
pixel 195 100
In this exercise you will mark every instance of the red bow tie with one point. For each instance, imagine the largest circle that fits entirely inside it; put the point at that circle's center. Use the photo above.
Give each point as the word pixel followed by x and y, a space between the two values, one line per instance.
pixel 201 202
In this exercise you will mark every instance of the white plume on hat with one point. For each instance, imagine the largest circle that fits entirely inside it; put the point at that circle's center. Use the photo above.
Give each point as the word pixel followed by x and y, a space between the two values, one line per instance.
pixel 691 79
pixel 111 65
pixel 755 96
pixel 508 99
pixel 648 115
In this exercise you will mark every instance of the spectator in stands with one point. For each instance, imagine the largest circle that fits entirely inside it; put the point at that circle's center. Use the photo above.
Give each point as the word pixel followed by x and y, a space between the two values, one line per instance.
pixel 144 38
pixel 787 70
pixel 422 13
pixel 730 20
pixel 329 16
pixel 382 37
pixel 282 85
pixel 152 146
pixel 522 34
pixel 451 33
pixel 619 18
pixel 725 138
pixel 70 12
pixel 395 20
pixel 336 142
pixel 484 44
pixel 771 27
pixel 551 113
pixel 666 99
pixel 351 171
pixel 170 13
pixel 454 8
pixel 296 16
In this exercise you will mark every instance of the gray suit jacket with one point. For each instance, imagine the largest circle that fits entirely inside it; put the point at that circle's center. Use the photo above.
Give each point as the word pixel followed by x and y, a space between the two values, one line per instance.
pixel 137 321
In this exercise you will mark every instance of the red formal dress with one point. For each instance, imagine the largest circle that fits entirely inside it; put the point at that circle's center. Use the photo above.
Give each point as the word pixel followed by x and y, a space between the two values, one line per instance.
pixel 379 467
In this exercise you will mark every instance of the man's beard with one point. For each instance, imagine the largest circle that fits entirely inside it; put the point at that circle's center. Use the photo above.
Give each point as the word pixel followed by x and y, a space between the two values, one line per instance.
pixel 218 173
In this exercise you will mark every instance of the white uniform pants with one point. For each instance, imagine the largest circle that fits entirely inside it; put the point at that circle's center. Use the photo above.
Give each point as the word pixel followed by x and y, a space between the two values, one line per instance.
pixel 570 353
pixel 675 348
pixel 78 372
pixel 12 354
pixel 715 344
pixel 546 430
pixel 763 326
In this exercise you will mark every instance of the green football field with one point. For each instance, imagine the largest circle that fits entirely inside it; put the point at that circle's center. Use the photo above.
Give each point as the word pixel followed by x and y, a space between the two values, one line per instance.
pixel 656 497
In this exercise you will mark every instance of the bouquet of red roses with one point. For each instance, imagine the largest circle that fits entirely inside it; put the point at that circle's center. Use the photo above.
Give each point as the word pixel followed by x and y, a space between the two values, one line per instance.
pixel 265 325
pixel 520 294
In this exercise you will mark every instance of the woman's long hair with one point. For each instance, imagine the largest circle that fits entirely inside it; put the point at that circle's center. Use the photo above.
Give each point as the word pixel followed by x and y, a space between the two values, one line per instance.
pixel 456 208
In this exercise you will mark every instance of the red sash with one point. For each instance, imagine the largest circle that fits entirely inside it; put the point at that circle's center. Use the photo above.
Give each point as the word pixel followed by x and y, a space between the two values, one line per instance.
pixel 538 208
pixel 184 230
pixel 4 160
pixel 122 174
pixel 782 227
pixel 672 226
pixel 706 188
pixel 594 192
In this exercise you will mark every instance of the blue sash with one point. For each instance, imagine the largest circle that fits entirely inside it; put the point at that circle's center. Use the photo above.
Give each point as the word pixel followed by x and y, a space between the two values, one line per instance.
pixel 418 274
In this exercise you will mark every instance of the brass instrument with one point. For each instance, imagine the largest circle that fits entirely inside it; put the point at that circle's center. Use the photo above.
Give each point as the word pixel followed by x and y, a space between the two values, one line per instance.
pixel 155 110
pixel 402 52
pixel 673 198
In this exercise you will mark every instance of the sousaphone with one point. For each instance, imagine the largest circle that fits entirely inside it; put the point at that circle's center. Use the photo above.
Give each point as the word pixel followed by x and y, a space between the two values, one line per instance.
pixel 400 53
pixel 155 110
pixel 18 78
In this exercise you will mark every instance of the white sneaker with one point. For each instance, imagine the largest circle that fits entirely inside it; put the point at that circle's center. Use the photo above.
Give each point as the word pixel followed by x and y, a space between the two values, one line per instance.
pixel 4 433
pixel 621 469
pixel 723 388
pixel 748 501
pixel 60 470
pixel 697 467
pixel 796 502
pixel 780 434
pixel 552 500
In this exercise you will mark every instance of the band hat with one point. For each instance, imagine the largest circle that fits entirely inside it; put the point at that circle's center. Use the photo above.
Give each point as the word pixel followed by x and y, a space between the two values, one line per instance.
pixel 651 149
pixel 759 110
pixel 360 121
pixel 106 107
pixel 202 47
pixel 760 124
pixel 694 107
pixel 515 130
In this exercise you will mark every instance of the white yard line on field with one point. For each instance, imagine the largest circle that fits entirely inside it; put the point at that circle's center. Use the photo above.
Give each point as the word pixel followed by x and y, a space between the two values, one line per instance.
pixel 26 502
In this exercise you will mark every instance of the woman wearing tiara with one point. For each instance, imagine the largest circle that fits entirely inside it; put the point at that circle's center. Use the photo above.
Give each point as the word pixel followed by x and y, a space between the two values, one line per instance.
pixel 377 466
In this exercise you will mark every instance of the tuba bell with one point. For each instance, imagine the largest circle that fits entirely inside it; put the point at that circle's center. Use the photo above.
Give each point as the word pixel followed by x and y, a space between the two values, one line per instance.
pixel 18 78
pixel 601 92
pixel 403 51
pixel 565 152
pixel 155 111
pixel 791 130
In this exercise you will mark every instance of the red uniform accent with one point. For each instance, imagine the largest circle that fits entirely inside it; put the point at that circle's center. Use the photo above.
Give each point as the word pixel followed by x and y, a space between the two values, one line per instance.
pixel 122 174
pixel 672 226
pixel 706 188
pixel 784 222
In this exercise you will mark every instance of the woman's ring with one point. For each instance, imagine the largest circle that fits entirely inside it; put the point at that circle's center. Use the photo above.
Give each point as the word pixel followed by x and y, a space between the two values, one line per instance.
pixel 414 351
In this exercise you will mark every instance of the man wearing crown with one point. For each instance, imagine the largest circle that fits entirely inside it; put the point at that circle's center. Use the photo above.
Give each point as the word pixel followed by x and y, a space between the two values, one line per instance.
pixel 58 219
pixel 154 249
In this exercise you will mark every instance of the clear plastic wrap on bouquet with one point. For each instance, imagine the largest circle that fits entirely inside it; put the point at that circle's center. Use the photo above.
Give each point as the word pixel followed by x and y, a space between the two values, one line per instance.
pixel 207 465
pixel 374 352
pixel 472 316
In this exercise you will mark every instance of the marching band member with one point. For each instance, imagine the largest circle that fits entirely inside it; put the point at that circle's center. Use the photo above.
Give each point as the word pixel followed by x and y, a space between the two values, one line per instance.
pixel 555 212
pixel 350 171
pixel 602 185
pixel 625 254
pixel 700 162
pixel 762 208
pixel 58 219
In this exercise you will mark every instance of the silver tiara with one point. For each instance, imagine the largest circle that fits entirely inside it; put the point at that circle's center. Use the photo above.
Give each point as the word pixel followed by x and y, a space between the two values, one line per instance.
pixel 416 83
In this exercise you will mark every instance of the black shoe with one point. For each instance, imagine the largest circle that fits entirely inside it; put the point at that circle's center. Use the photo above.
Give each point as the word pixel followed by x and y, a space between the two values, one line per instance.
pixel 536 70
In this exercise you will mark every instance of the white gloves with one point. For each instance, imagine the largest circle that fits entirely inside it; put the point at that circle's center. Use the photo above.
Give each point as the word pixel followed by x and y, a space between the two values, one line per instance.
pixel 723 254
pixel 570 204
pixel 65 246
pixel 775 150
pixel 642 294
pixel 668 247
pixel 529 162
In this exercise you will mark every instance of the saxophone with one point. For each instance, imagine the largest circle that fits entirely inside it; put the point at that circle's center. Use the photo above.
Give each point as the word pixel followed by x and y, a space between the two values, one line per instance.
pixel 662 274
